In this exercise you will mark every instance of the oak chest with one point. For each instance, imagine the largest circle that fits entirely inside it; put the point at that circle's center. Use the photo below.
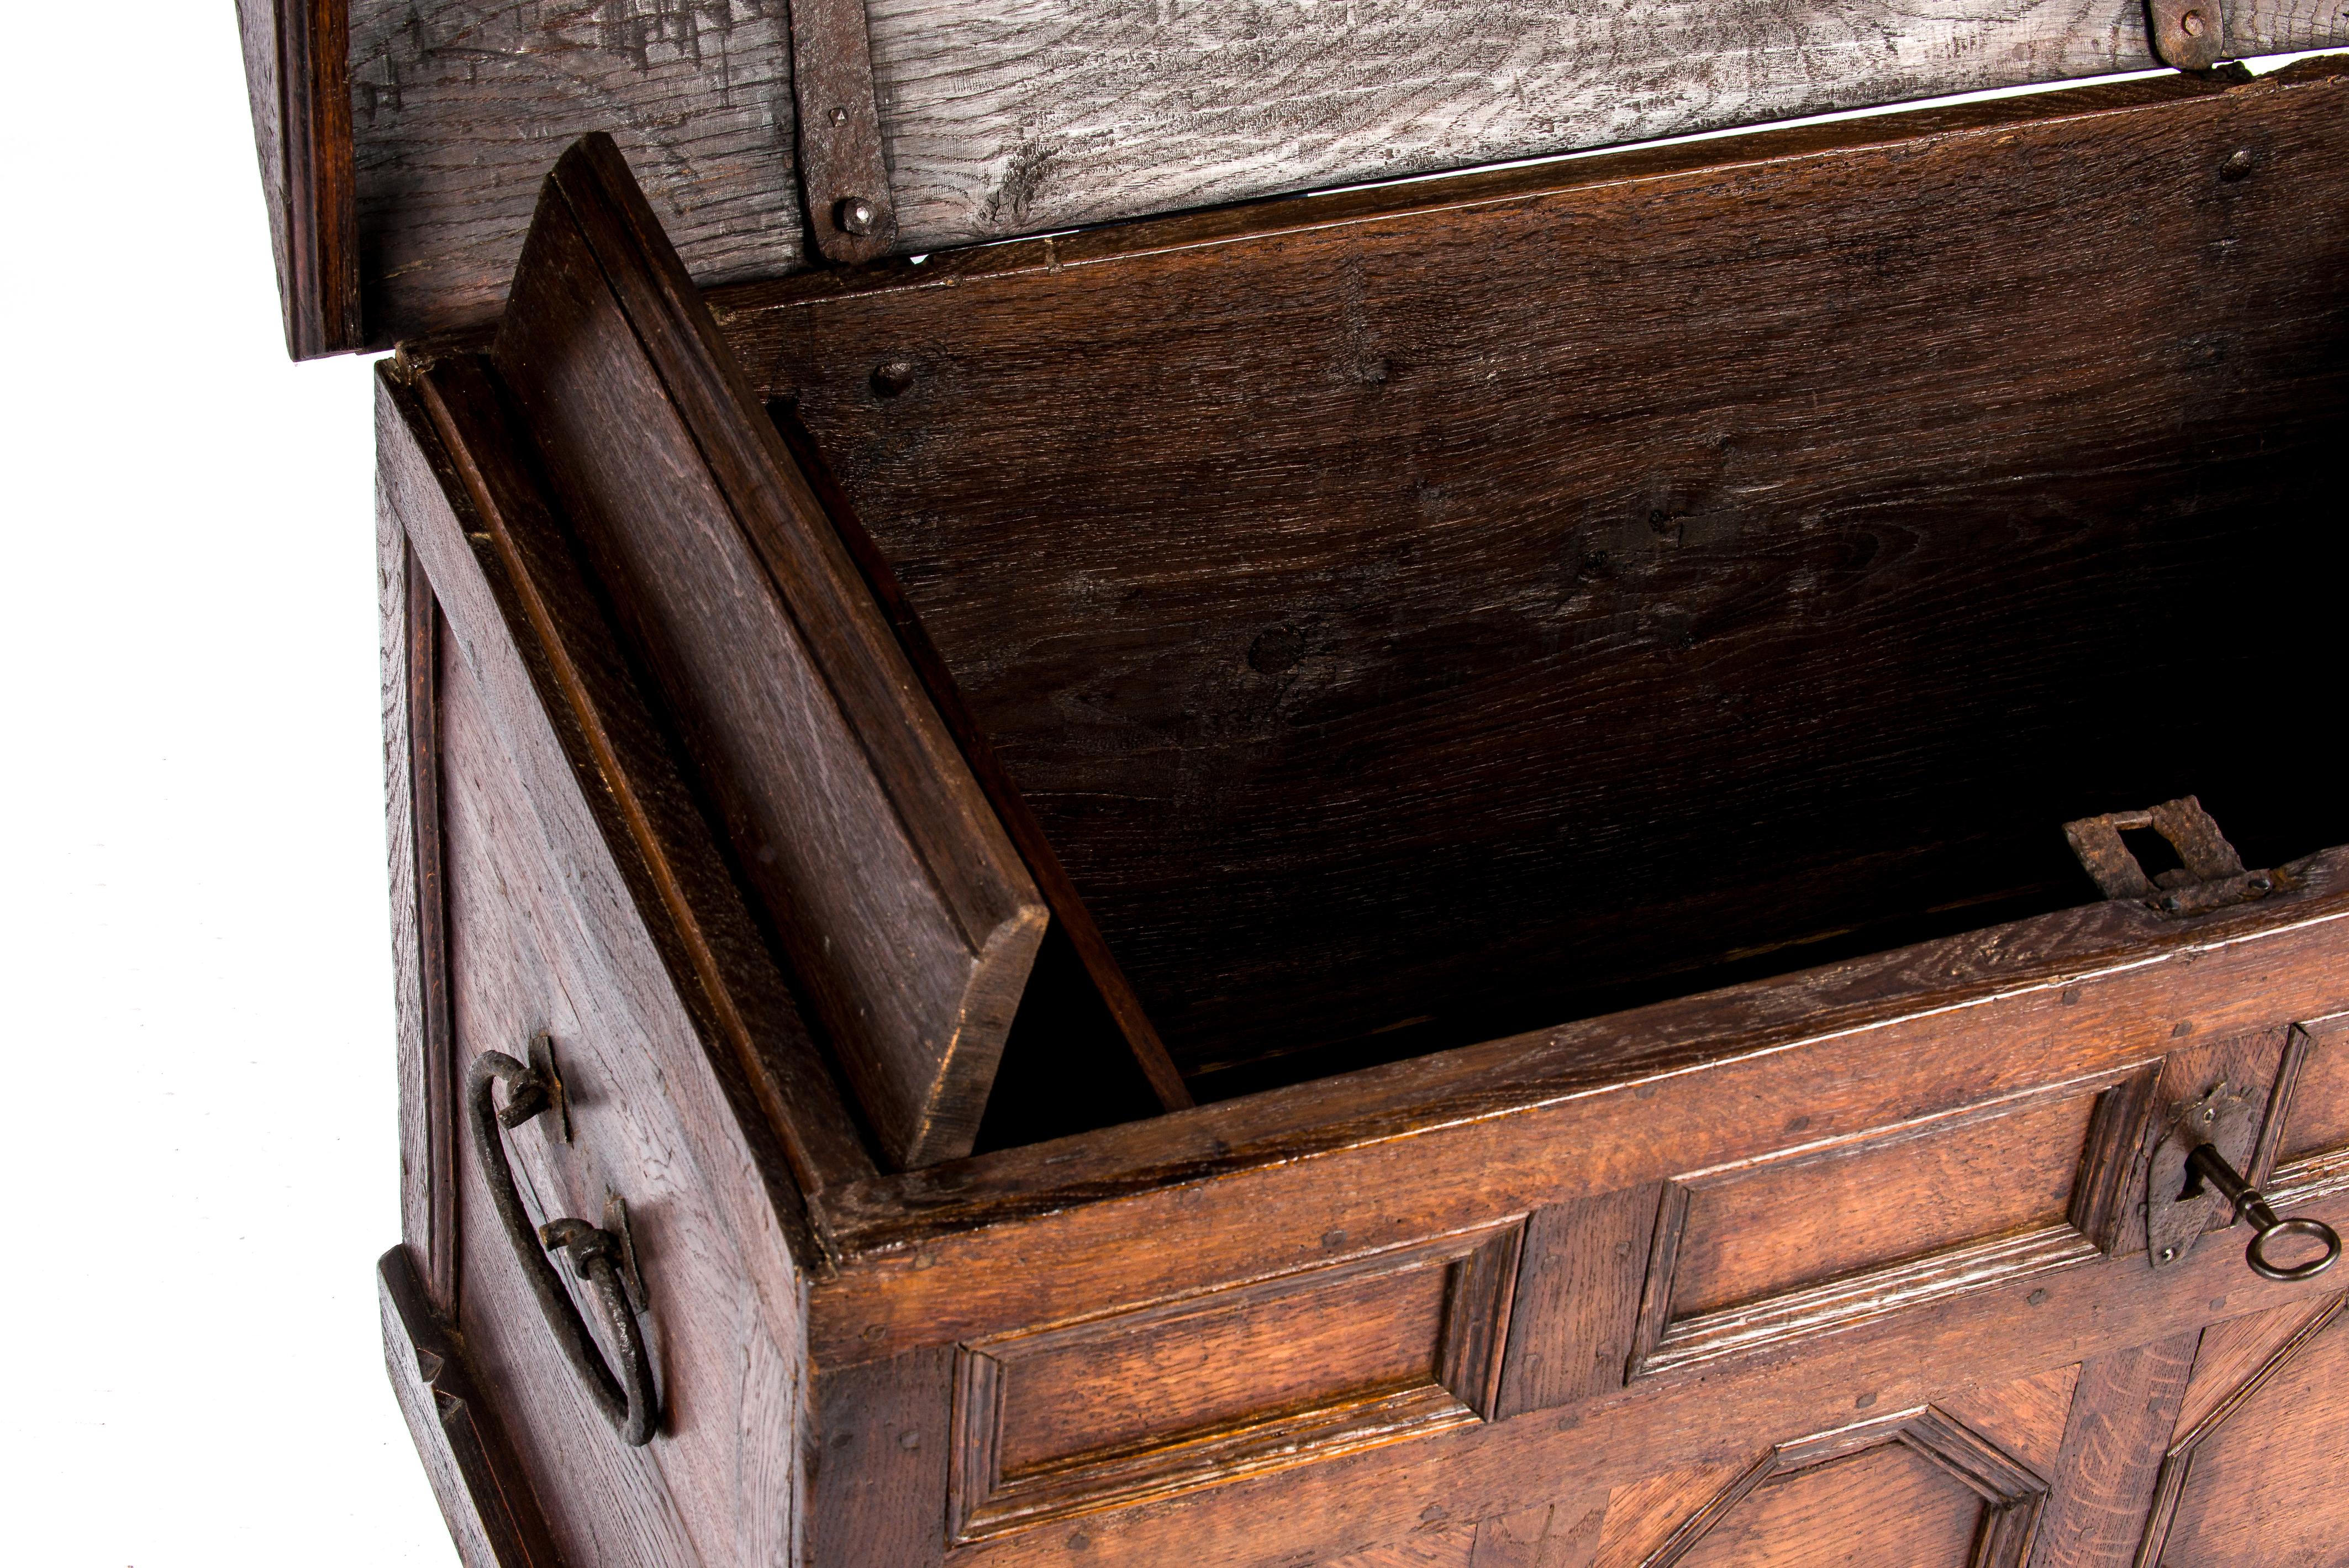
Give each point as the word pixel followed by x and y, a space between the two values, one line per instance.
pixel 1164 792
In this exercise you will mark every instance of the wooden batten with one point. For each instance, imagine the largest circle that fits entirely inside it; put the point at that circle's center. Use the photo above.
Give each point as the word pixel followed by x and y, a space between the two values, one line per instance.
pixel 436 122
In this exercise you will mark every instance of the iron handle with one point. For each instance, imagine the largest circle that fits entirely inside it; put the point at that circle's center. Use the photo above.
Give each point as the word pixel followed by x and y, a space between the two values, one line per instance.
pixel 631 1402
pixel 2208 1164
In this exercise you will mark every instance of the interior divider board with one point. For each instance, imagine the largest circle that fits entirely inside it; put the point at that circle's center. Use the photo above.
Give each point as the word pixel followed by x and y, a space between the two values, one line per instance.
pixel 1726 547
pixel 1011 116
pixel 903 907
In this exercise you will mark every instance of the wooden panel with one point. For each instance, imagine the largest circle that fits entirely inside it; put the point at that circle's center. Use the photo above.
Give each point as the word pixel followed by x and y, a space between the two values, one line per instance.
pixel 1914 1487
pixel 1817 1217
pixel 1577 1305
pixel 1689 1420
pixel 537 945
pixel 901 902
pixel 1412 634
pixel 1020 118
pixel 2256 1480
pixel 2316 1121
pixel 1826 1236
pixel 1888 1507
pixel 559 923
pixel 1156 1401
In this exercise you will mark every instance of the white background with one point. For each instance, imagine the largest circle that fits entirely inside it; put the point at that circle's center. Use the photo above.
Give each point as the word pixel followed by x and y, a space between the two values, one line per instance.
pixel 198 1165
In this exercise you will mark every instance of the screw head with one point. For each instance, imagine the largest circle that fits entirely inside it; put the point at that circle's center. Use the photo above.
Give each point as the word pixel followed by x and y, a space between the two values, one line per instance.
pixel 854 214
pixel 2192 24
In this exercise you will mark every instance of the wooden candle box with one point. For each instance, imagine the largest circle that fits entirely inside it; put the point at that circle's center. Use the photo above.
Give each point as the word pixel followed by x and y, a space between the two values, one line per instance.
pixel 1516 869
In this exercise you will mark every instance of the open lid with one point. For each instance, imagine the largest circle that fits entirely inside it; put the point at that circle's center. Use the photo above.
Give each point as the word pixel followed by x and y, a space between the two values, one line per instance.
pixel 402 143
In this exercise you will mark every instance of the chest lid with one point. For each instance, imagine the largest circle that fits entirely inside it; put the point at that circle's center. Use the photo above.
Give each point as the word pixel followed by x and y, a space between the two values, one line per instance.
pixel 402 141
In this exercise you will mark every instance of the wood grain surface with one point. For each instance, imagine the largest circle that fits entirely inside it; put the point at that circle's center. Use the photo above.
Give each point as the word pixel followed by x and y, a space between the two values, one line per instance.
pixel 1023 116
pixel 903 905
pixel 1265 1183
pixel 1400 654
pixel 1686 1428
pixel 297 76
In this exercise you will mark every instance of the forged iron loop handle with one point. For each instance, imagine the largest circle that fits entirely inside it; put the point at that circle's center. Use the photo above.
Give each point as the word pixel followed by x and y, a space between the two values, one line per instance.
pixel 2250 1203
pixel 631 1402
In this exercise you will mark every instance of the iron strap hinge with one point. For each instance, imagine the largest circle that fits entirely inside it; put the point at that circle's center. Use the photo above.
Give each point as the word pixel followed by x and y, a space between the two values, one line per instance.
pixel 843 174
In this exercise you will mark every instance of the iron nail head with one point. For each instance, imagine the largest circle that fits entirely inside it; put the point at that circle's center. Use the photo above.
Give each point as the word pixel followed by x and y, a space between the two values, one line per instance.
pixel 854 214
pixel 2192 24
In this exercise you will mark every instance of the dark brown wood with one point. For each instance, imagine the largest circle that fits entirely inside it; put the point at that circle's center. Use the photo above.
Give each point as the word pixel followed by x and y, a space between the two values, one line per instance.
pixel 1843 1262
pixel 1072 922
pixel 492 1515
pixel 904 909
pixel 522 612
pixel 1431 651
pixel 297 73
pixel 1572 1331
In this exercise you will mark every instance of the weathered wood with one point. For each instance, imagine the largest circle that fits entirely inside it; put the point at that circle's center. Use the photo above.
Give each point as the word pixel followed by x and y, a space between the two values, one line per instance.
pixel 906 909
pixel 1397 655
pixel 545 940
pixel 492 1515
pixel 1005 119
pixel 297 74
pixel 411 623
pixel 460 107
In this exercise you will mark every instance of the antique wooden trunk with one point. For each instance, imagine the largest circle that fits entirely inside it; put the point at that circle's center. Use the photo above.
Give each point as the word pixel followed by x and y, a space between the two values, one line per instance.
pixel 1158 803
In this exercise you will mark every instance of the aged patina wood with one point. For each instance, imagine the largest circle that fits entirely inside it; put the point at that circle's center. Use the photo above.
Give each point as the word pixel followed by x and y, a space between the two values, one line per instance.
pixel 1842 1258
pixel 1000 118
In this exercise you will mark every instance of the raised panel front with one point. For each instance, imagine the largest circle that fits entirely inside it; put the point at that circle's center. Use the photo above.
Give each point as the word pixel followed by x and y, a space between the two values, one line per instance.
pixel 1144 1403
pixel 1819 1238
